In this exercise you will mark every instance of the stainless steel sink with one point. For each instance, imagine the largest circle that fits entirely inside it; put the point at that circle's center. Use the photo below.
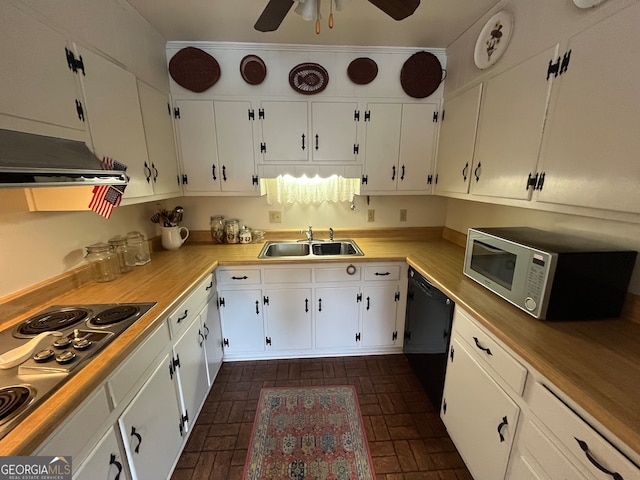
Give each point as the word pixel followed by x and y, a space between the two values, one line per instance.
pixel 280 249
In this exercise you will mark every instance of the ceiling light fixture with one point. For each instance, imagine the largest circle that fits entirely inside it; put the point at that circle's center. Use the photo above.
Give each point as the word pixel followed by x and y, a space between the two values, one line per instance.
pixel 309 10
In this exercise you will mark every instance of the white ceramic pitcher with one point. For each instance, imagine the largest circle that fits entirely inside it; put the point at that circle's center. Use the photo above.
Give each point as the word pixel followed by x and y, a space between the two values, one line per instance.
pixel 174 237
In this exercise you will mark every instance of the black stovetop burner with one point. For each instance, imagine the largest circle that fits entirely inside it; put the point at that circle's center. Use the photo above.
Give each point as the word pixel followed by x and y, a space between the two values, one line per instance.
pixel 12 400
pixel 114 315
pixel 54 320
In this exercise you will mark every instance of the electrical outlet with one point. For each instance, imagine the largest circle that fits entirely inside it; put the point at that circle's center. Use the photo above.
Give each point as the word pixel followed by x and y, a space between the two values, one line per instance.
pixel 371 215
pixel 275 216
pixel 403 215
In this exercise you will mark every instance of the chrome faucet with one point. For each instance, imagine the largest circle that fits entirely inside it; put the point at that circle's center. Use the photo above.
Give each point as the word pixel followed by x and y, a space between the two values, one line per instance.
pixel 308 233
pixel 330 234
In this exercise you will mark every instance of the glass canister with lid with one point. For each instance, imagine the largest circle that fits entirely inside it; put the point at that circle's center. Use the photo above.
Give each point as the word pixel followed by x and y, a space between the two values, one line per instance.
pixel 245 234
pixel 232 230
pixel 104 265
pixel 139 247
pixel 217 228
pixel 123 253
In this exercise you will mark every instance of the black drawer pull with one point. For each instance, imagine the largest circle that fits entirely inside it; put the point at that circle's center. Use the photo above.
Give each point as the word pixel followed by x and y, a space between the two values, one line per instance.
pixel 186 314
pixel 239 278
pixel 383 274
pixel 113 461
pixel 585 448
pixel 209 287
pixel 484 349
pixel 306 305
pixel 319 304
pixel 139 437
pixel 503 424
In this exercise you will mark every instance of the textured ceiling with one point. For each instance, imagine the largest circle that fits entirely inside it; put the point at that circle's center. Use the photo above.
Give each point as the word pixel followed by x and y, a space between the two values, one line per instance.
pixel 435 24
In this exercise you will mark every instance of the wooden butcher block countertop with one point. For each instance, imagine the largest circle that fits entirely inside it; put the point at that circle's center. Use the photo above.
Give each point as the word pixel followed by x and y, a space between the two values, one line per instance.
pixel 595 363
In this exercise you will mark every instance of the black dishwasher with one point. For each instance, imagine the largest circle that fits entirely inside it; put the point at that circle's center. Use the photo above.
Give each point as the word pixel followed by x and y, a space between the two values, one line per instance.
pixel 427 332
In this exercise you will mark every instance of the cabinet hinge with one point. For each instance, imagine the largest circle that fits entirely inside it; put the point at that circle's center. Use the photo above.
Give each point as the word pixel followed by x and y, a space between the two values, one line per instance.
pixel 367 116
pixel 358 337
pixel 451 354
pixel 540 181
pixel 356 148
pixel 358 297
pixel 560 66
pixel 532 181
pixel 394 336
pixel 429 179
pixel 74 63
pixel 407 335
pixel 442 117
pixel 183 421
pixel 263 147
pixel 356 115
pixel 185 179
pixel 365 179
pixel 261 114
pixel 79 110
pixel 435 117
pixel 397 297
pixel 221 302
pixel 225 342
pixel 176 112
pixel 254 180
pixel 444 406
pixel 251 114
pixel 265 300
pixel 436 173
pixel 267 340
pixel 173 364
pixel 168 109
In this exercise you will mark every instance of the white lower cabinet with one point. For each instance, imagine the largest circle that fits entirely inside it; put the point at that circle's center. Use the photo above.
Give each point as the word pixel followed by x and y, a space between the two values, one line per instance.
pixel 479 416
pixel 105 462
pixel 212 333
pixel 337 317
pixel 242 320
pixel 288 318
pixel 151 426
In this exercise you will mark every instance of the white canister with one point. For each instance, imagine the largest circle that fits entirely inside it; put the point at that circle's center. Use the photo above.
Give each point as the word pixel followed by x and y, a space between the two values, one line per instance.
pixel 245 234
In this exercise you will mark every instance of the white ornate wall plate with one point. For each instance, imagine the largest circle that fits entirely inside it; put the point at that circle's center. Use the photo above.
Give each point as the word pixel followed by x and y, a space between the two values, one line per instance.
pixel 493 40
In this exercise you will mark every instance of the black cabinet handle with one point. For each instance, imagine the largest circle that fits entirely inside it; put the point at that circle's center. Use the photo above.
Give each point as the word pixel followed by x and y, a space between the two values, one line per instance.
pixel 113 461
pixel 303 137
pixel 206 330
pixel 186 314
pixel 209 287
pixel 382 274
pixel 402 174
pixel 147 172
pixel 306 305
pixel 319 304
pixel 478 171
pixel 257 309
pixel 317 141
pixel 393 172
pixel 213 171
pixel 224 173
pixel 368 302
pixel 155 172
pixel 503 424
pixel 139 437
pixel 202 337
pixel 465 170
pixel 239 278
pixel 585 448
pixel 484 349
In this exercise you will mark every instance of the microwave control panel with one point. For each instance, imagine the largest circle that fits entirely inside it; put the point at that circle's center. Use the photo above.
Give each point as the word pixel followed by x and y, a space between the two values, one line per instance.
pixel 535 282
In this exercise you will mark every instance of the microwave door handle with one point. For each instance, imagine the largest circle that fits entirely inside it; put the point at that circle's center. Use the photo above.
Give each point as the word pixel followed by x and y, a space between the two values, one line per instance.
pixel 489 247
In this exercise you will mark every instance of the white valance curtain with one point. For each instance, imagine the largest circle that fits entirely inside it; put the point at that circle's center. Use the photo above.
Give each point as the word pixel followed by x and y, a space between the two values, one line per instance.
pixel 304 190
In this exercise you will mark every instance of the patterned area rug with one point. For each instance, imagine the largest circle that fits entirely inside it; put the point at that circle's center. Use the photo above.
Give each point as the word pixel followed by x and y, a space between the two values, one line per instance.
pixel 308 433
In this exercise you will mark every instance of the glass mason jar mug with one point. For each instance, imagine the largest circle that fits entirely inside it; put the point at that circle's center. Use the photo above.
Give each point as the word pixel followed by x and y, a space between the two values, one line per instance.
pixel 124 254
pixel 104 264
pixel 139 247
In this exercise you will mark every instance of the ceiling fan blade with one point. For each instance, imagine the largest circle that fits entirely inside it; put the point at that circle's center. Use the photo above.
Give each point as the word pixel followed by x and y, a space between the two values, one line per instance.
pixel 272 15
pixel 397 9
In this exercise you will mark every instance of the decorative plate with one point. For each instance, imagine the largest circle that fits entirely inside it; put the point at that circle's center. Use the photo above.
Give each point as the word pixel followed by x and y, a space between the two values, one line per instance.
pixel 362 70
pixel 308 78
pixel 253 69
pixel 493 40
pixel 194 69
pixel 421 75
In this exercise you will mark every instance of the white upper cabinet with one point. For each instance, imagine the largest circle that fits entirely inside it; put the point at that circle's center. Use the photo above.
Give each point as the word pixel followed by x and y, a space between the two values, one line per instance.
pixel 285 135
pixel 590 155
pixel 115 120
pixel 334 131
pixel 457 141
pixel 514 106
pixel 39 89
pixel 158 131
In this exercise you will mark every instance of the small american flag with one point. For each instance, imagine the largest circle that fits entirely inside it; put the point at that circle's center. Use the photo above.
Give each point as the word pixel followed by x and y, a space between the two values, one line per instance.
pixel 107 197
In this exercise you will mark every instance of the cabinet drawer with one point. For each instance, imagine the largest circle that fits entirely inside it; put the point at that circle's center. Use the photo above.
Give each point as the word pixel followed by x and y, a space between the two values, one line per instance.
pixel 342 273
pixel 569 428
pixel 238 277
pixel 502 363
pixel 130 372
pixel 74 435
pixel 287 275
pixel 189 309
pixel 382 272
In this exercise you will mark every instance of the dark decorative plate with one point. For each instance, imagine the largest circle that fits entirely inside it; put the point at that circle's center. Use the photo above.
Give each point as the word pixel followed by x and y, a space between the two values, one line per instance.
pixel 194 69
pixel 253 69
pixel 308 78
pixel 362 70
pixel 421 75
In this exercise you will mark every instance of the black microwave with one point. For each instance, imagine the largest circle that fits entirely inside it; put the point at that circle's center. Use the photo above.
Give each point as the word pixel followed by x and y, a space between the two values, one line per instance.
pixel 550 275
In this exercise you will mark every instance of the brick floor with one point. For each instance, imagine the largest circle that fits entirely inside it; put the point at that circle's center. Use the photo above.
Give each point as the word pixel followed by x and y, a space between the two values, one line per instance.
pixel 406 438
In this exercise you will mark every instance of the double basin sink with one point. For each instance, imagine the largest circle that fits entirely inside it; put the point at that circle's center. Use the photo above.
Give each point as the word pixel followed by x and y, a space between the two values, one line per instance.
pixel 309 248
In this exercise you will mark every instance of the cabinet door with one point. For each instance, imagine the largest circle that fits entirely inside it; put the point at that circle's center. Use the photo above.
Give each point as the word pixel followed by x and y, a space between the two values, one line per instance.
pixel 242 321
pixel 334 132
pixel 417 141
pixel 198 146
pixel 336 316
pixel 105 462
pixel 382 146
pixel 234 131
pixel 284 131
pixel 158 131
pixel 514 106
pixel 37 84
pixel 115 119
pixel 192 371
pixel 479 416
pixel 288 318
pixel 457 140
pixel 590 155
pixel 150 426
pixel 379 315
pixel 212 330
